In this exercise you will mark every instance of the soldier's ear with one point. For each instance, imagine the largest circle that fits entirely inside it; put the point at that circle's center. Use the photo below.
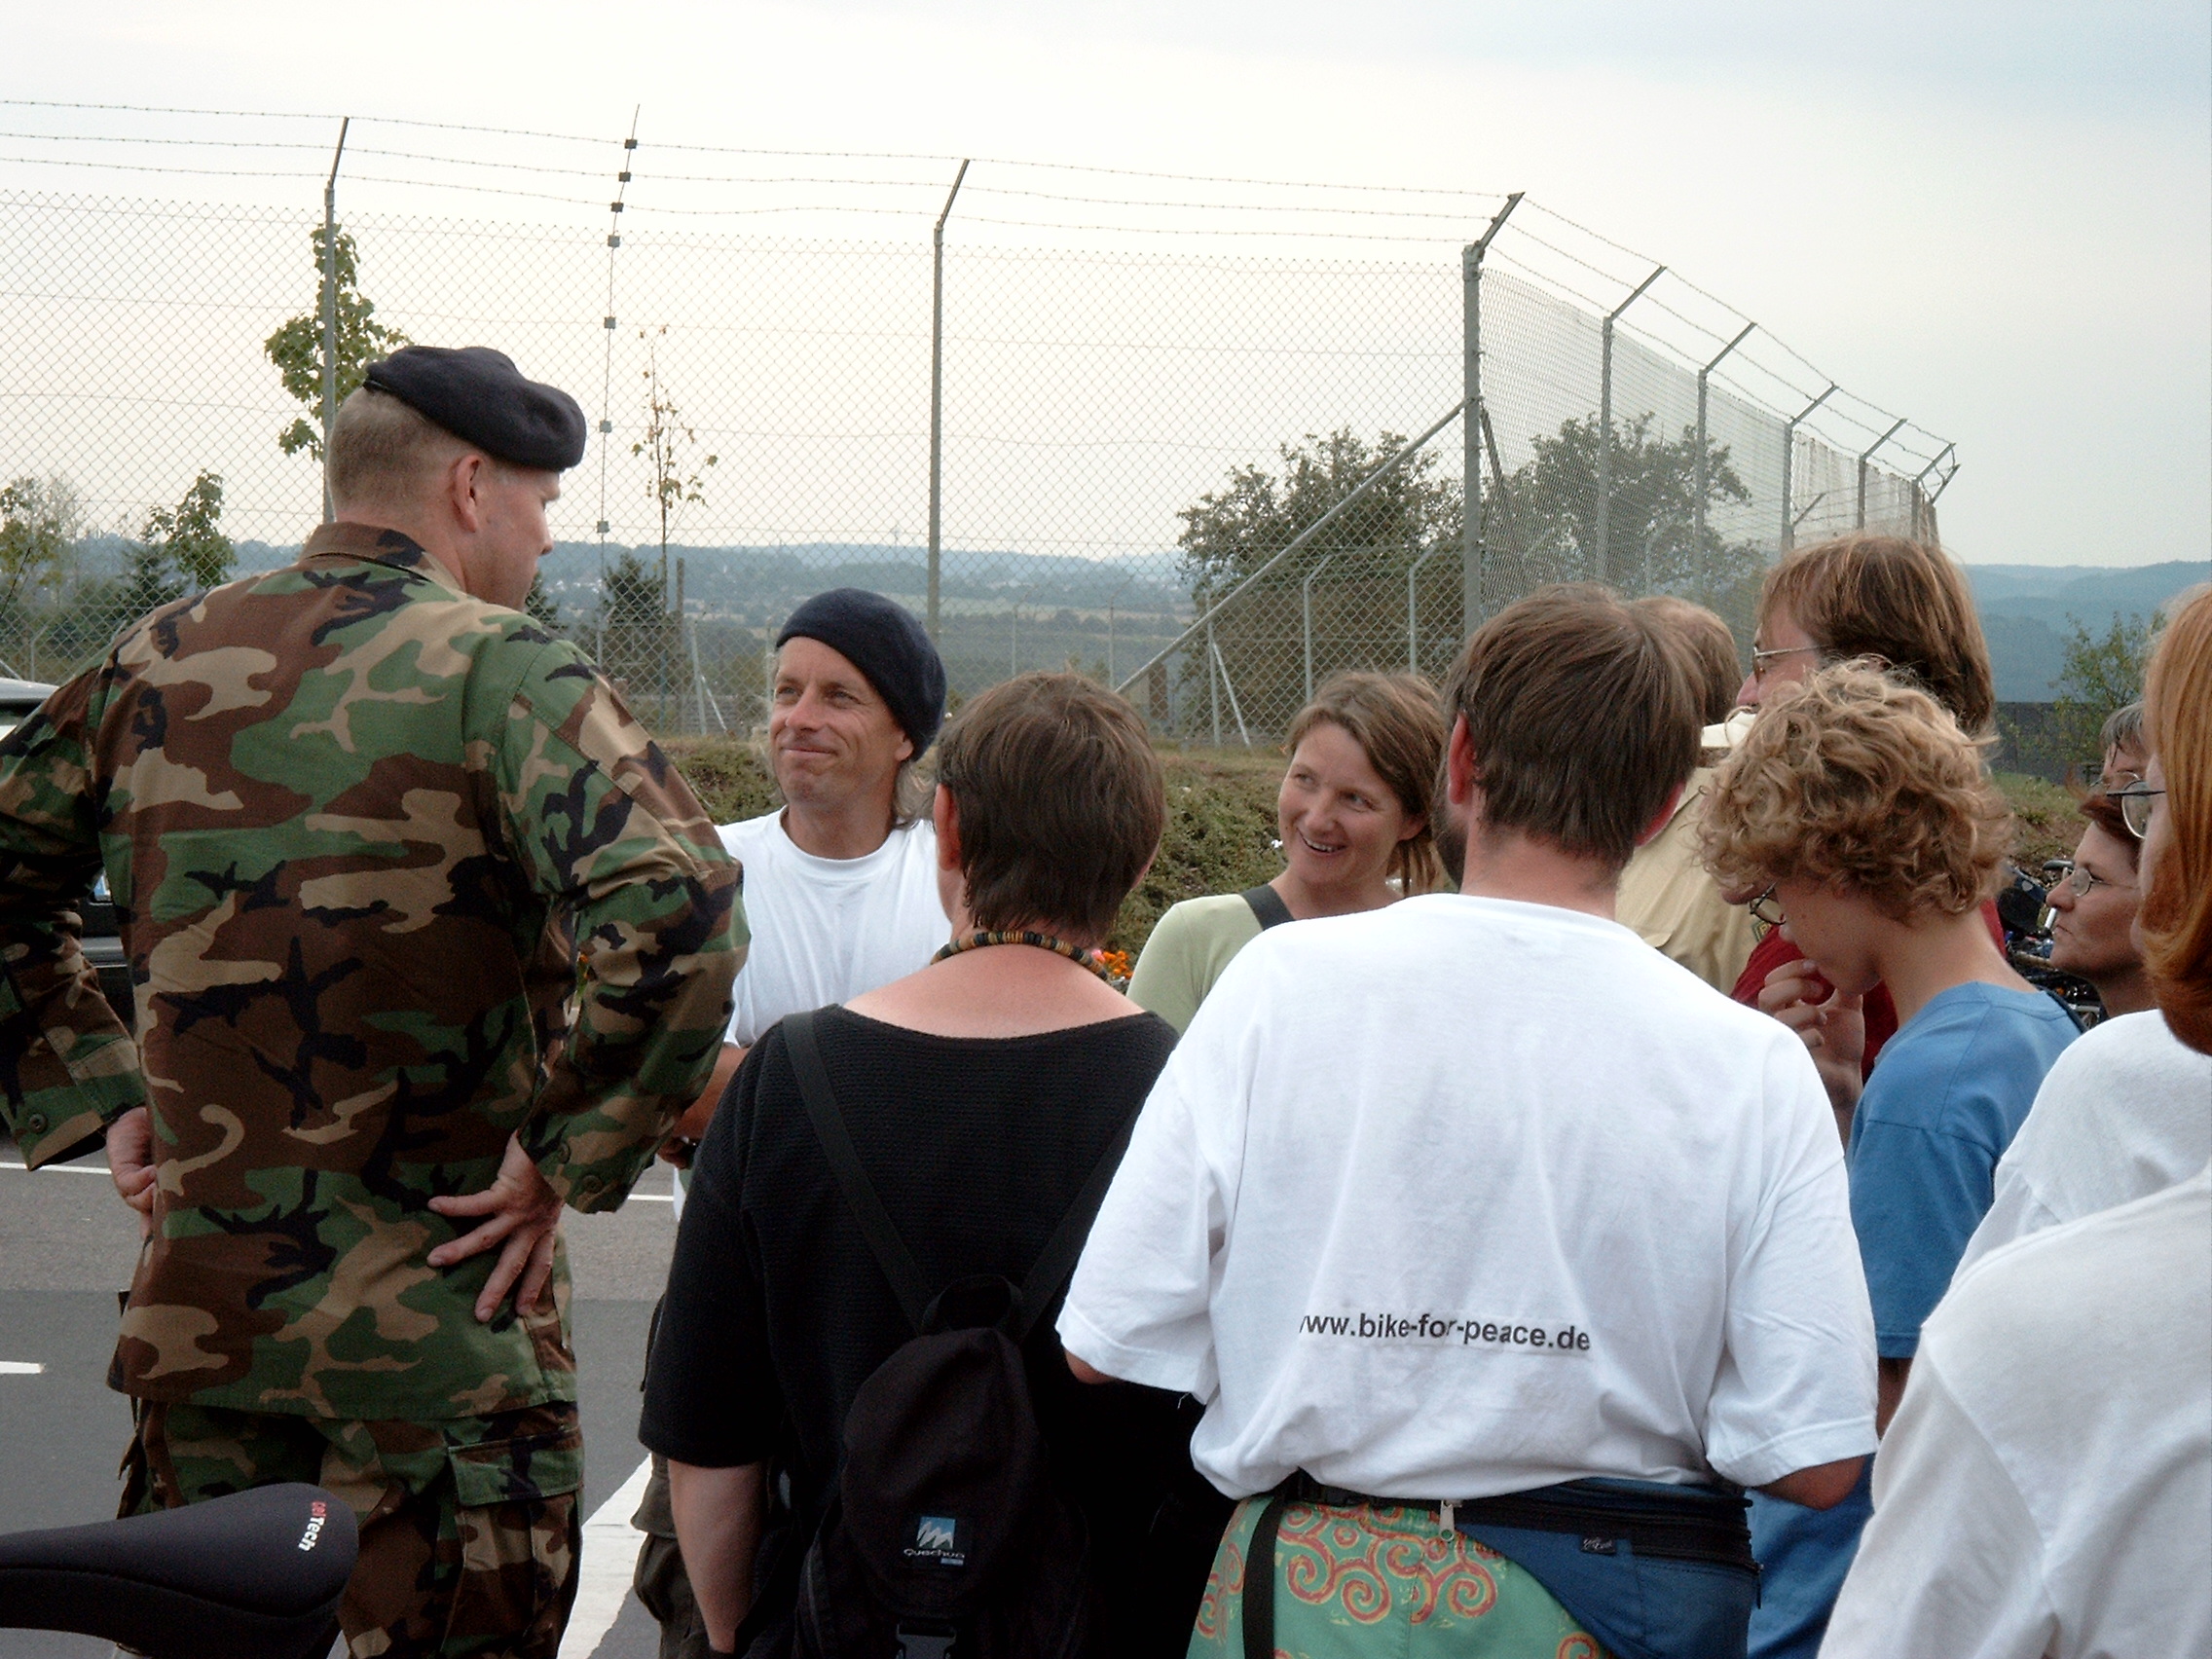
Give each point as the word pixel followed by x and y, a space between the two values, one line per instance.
pixel 463 483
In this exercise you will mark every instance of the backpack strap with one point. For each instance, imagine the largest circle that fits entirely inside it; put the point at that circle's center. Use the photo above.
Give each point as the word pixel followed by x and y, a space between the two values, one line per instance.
pixel 1046 1275
pixel 1056 1261
pixel 883 1241
pixel 1267 905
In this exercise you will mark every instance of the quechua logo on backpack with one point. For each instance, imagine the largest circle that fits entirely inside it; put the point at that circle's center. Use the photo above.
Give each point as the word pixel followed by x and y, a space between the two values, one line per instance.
pixel 941 1540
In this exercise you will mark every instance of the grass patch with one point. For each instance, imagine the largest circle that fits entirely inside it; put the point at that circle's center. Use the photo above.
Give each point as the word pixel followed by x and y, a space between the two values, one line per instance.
pixel 2046 822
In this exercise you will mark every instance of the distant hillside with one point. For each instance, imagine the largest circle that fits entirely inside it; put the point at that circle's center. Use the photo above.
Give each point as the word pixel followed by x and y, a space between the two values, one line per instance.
pixel 2028 610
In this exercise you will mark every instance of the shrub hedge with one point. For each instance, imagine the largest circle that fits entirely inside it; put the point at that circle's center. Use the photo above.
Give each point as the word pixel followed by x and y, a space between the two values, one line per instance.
pixel 1221 821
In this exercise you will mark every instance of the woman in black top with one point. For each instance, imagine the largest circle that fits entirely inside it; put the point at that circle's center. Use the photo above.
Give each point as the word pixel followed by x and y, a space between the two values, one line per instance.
pixel 979 1094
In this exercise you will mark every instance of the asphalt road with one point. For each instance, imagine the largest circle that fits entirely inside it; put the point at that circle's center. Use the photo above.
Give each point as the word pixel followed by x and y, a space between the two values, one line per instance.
pixel 68 1245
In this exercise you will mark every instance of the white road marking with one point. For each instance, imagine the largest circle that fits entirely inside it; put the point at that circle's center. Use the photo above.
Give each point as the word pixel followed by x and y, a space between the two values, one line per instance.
pixel 610 1556
pixel 21 1368
pixel 652 1198
pixel 58 1168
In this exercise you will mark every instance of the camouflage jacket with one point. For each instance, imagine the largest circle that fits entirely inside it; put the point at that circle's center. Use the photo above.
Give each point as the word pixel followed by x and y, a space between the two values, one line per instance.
pixel 345 811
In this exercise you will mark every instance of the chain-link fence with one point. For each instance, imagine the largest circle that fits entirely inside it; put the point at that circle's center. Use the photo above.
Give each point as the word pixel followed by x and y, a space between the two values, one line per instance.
pixel 1209 464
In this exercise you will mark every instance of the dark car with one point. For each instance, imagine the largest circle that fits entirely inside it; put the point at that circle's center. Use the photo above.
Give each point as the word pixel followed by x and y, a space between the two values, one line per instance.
pixel 102 949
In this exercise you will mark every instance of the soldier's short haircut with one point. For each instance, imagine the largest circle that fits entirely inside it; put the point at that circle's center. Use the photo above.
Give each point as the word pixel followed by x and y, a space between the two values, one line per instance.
pixel 382 452
pixel 1581 716
pixel 1060 799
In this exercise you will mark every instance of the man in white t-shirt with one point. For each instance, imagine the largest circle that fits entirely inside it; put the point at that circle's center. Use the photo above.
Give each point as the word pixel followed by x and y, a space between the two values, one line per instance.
pixel 840 891
pixel 1477 1195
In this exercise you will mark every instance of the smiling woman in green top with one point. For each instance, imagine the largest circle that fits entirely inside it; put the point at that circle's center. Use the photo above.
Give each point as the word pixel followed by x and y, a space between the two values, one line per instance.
pixel 1353 813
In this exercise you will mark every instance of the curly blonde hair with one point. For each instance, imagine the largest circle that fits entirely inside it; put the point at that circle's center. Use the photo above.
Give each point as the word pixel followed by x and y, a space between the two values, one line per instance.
pixel 1856 779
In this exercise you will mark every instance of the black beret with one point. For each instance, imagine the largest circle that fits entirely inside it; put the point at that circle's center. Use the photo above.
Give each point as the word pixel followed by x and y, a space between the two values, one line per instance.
pixel 479 396
pixel 885 643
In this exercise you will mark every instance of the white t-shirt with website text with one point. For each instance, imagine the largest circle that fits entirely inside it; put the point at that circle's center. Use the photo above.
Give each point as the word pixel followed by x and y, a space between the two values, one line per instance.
pixel 1466 1196
pixel 827 930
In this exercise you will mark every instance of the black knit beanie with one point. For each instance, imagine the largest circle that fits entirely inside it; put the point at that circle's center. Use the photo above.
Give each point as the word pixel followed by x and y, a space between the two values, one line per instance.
pixel 884 642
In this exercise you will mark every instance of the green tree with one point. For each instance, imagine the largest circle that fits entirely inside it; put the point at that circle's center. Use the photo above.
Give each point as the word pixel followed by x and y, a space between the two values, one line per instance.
pixel 2098 675
pixel 539 606
pixel 179 550
pixel 1232 531
pixel 637 635
pixel 296 349
pixel 1545 518
pixel 41 520
pixel 1359 597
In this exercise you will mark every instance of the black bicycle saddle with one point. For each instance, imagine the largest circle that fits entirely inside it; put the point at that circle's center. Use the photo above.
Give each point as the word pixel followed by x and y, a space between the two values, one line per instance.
pixel 255 1576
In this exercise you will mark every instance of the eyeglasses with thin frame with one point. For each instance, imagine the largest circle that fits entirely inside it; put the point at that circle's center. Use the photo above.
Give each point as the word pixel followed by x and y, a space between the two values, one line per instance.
pixel 2078 880
pixel 1760 658
pixel 2134 802
pixel 1766 911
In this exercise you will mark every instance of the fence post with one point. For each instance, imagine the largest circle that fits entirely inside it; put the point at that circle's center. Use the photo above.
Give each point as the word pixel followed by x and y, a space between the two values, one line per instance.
pixel 1305 615
pixel 936 391
pixel 1923 502
pixel 1789 537
pixel 607 362
pixel 1213 685
pixel 330 310
pixel 1696 504
pixel 1864 456
pixel 1470 435
pixel 1413 611
pixel 1604 553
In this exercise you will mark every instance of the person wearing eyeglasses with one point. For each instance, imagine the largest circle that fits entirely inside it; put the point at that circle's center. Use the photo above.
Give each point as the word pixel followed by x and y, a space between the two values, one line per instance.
pixel 2127 1109
pixel 1866 813
pixel 2093 911
pixel 1905 606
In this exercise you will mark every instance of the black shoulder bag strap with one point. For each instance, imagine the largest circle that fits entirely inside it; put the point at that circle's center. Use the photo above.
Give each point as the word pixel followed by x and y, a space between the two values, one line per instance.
pixel 1056 1263
pixel 883 1241
pixel 1267 905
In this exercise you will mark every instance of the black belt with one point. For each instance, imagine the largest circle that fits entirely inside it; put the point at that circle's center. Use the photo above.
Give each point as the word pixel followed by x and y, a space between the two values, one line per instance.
pixel 1699 1524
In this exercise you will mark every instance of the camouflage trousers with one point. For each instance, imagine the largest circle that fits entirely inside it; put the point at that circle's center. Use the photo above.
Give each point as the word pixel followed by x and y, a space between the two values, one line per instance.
pixel 470 1529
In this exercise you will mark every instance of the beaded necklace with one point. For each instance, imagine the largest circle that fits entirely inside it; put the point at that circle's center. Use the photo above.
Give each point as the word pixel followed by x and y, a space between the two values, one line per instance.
pixel 1074 953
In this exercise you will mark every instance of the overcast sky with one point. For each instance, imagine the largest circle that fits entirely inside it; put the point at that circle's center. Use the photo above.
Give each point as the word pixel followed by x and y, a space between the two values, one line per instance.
pixel 1996 219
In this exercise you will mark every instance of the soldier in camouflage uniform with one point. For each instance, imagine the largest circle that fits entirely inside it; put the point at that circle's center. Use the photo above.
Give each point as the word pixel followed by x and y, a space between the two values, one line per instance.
pixel 344 809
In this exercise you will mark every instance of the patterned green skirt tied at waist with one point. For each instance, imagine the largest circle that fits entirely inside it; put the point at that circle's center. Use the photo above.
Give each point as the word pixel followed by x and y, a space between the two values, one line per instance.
pixel 1631 1569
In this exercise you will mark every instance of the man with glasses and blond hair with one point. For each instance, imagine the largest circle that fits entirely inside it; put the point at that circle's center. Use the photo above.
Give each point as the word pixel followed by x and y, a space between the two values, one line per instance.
pixel 1906 607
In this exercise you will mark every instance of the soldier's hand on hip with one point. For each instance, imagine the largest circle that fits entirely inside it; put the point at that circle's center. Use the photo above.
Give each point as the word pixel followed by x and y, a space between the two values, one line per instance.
pixel 522 1220
pixel 130 1164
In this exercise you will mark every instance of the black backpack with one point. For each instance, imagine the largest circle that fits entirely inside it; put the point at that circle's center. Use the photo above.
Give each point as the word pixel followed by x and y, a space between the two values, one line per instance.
pixel 944 1537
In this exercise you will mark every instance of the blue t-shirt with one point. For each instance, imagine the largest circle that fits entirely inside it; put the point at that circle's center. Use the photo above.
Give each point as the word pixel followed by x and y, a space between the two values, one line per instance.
pixel 1950 1091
